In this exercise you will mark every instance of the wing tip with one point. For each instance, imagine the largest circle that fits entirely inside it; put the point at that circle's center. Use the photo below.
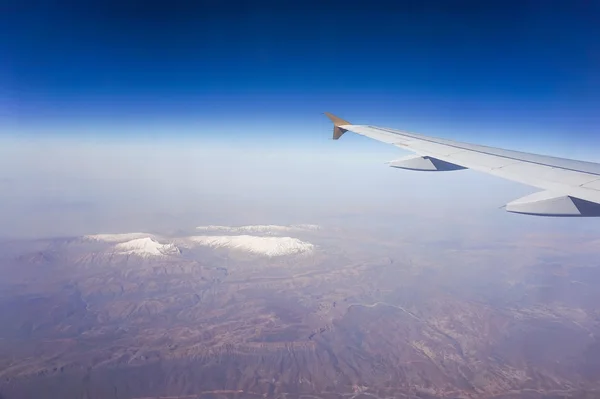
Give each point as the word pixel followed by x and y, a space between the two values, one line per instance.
pixel 337 122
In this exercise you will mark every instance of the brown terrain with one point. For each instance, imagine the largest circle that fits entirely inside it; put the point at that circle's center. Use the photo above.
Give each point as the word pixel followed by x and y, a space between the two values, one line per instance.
pixel 363 316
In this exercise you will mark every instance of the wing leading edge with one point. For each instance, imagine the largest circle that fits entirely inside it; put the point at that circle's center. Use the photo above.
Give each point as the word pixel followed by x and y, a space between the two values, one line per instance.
pixel 570 187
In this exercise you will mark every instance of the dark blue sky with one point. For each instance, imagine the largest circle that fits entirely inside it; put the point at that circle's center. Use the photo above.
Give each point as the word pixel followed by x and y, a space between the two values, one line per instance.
pixel 511 64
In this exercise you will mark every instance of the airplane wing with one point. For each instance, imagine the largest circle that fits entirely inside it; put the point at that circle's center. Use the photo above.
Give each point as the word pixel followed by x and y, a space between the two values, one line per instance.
pixel 569 187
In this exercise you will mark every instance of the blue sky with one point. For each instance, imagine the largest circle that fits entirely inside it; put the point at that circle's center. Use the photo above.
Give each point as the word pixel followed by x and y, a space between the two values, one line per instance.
pixel 526 66
pixel 239 81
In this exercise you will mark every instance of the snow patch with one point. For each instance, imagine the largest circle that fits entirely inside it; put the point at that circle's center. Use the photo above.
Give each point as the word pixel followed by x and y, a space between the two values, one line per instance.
pixel 268 246
pixel 146 247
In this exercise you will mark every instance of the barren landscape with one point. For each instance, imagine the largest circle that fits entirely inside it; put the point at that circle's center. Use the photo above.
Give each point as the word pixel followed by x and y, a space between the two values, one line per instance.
pixel 299 311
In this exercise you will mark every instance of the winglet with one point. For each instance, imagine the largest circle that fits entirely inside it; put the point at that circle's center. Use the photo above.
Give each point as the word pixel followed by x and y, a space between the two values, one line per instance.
pixel 337 122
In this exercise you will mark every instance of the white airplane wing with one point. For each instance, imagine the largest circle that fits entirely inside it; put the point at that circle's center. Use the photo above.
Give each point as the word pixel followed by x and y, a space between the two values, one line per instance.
pixel 570 187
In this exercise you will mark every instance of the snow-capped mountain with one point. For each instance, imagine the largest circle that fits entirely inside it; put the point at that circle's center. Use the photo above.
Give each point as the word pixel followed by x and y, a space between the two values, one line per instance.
pixel 268 246
pixel 266 240
pixel 146 247
pixel 140 244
